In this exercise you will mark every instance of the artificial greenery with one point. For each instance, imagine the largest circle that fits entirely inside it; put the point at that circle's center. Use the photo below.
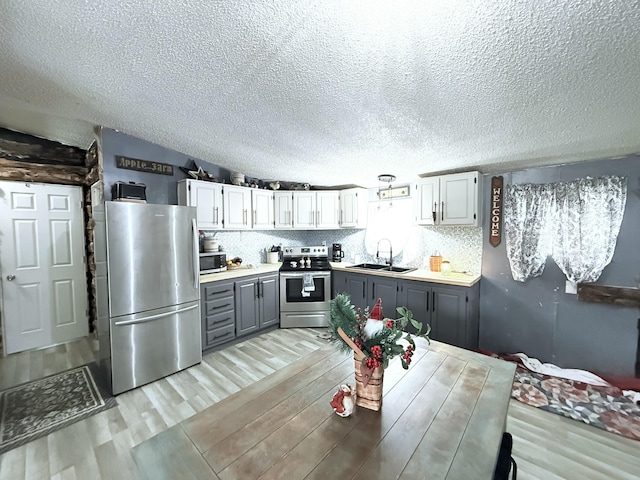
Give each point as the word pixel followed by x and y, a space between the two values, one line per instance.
pixel 384 345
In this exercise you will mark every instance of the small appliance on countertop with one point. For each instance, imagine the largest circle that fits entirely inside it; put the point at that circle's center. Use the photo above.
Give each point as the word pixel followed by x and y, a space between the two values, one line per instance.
pixel 338 253
pixel 213 262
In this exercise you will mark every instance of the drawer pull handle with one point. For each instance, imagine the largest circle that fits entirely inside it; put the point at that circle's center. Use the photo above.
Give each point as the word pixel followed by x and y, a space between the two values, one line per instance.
pixel 218 307
pixel 222 320
pixel 223 335
pixel 214 294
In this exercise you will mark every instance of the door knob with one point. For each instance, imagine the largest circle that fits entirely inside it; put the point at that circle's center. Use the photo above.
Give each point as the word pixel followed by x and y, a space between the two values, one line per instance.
pixel 11 277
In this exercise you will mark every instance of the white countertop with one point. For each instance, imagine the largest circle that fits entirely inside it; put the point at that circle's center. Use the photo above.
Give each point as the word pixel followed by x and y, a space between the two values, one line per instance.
pixel 423 275
pixel 242 271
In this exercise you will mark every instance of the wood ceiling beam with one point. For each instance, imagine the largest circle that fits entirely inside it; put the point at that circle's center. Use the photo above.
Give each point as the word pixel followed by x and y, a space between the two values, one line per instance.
pixel 21 147
pixel 42 173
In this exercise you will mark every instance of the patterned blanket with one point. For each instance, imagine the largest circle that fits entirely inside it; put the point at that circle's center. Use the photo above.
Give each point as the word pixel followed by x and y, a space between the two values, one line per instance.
pixel 603 407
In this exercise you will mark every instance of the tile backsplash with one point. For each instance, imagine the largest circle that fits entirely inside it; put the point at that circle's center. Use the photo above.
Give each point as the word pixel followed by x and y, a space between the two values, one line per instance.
pixel 462 246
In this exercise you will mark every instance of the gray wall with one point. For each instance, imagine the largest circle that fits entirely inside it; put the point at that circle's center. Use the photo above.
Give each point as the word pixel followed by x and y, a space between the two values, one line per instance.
pixel 537 317
pixel 161 189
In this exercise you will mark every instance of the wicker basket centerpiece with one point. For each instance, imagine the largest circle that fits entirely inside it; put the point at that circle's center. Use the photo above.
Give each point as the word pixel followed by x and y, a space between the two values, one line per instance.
pixel 374 341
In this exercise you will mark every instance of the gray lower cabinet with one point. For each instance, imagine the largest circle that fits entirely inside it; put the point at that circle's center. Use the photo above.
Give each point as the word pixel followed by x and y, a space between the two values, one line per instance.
pixel 365 289
pixel 452 311
pixel 233 308
pixel 218 313
pixel 353 284
pixel 256 303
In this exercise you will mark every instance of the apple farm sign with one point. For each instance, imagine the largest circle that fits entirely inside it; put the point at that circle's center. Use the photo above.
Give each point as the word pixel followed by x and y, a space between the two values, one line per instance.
pixel 495 217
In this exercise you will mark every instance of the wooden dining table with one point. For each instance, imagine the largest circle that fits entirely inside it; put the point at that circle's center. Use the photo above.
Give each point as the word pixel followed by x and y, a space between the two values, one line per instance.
pixel 443 418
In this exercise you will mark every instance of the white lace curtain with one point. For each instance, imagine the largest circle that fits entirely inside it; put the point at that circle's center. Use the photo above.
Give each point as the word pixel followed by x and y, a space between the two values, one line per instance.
pixel 576 222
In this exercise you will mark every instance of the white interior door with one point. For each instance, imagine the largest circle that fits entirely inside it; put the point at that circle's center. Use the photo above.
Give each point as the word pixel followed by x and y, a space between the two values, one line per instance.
pixel 44 295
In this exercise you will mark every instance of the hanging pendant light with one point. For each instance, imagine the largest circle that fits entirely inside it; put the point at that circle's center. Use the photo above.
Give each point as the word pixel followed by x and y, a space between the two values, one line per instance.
pixel 385 178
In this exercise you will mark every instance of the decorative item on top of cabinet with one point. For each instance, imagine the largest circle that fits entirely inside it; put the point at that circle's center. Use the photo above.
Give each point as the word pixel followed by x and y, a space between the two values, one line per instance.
pixel 450 199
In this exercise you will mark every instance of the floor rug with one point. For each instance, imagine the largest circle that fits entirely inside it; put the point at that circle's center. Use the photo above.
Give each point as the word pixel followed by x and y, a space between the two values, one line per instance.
pixel 40 407
pixel 603 407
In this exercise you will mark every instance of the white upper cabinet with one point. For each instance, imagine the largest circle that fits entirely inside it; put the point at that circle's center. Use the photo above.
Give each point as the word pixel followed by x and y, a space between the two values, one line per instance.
pixel 304 209
pixel 319 209
pixel 207 198
pixel 449 199
pixel 353 208
pixel 237 207
pixel 231 207
pixel 328 209
pixel 428 200
pixel 262 204
pixel 283 209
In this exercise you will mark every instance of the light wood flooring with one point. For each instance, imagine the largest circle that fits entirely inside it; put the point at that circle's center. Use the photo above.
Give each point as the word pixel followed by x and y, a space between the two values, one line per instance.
pixel 546 446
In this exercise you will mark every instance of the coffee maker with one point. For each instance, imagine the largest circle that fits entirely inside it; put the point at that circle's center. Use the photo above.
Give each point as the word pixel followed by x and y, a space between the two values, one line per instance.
pixel 338 254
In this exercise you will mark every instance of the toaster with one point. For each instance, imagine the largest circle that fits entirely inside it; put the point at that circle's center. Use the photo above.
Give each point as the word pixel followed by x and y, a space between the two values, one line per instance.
pixel 129 191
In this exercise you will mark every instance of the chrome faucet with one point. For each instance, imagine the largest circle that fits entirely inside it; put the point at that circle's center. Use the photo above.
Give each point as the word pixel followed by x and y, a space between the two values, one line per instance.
pixel 390 262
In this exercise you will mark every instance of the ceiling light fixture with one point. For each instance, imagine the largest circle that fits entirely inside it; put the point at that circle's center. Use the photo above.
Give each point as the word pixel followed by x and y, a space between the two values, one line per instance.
pixel 385 178
pixel 390 192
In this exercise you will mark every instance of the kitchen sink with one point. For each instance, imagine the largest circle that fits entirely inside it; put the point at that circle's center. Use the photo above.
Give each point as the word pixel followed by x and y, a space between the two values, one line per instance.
pixel 382 268
pixel 369 266
pixel 397 269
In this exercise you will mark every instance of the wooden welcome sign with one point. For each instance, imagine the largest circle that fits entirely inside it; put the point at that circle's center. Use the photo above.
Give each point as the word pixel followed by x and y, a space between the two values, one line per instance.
pixel 495 218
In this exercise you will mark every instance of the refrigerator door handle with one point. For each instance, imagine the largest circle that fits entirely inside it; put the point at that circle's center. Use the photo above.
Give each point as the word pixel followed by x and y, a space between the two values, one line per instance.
pixel 153 317
pixel 196 252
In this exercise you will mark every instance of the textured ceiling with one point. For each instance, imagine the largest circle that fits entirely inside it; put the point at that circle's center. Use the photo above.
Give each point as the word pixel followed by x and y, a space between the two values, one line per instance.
pixel 331 92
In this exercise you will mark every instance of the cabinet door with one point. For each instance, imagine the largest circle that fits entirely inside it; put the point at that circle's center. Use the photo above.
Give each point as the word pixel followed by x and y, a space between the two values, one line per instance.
pixel 416 296
pixel 283 209
pixel 207 198
pixel 458 199
pixel 262 204
pixel 304 209
pixel 338 283
pixel 247 311
pixel 269 300
pixel 353 208
pixel 449 315
pixel 328 209
pixel 356 287
pixel 428 199
pixel 237 207
pixel 387 290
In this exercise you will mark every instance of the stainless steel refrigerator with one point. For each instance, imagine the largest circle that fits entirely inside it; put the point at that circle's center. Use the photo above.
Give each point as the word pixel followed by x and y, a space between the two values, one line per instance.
pixel 148 292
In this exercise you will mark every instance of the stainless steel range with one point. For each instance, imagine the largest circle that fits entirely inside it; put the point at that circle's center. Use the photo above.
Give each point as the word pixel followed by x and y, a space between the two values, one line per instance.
pixel 305 287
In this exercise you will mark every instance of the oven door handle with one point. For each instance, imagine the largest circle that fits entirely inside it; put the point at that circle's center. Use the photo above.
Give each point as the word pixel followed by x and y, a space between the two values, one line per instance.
pixel 316 274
